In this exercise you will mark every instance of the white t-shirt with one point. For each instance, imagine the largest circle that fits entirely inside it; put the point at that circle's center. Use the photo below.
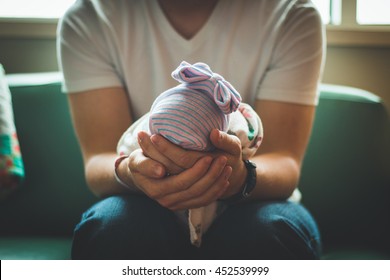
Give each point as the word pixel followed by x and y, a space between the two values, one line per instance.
pixel 266 49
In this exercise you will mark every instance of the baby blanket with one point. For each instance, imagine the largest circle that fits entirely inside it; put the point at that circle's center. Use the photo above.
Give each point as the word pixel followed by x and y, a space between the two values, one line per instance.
pixel 11 165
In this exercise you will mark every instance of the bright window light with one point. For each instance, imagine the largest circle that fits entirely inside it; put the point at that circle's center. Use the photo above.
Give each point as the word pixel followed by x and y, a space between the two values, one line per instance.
pixel 323 7
pixel 34 8
pixel 373 11
pixel 330 10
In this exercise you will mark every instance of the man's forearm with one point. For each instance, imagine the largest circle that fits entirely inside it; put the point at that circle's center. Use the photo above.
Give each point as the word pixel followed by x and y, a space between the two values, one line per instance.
pixel 99 171
pixel 277 176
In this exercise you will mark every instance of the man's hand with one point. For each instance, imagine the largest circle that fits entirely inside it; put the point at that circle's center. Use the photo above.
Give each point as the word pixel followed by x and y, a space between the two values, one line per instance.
pixel 175 159
pixel 194 187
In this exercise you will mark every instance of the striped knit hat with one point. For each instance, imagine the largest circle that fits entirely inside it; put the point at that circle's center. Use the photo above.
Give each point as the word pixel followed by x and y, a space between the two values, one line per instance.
pixel 187 113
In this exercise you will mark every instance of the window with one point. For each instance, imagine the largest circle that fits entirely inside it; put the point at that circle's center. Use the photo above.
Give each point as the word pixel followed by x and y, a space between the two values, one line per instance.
pixel 349 22
pixel 330 10
pixel 370 12
pixel 356 22
pixel 373 12
pixel 357 12
pixel 33 8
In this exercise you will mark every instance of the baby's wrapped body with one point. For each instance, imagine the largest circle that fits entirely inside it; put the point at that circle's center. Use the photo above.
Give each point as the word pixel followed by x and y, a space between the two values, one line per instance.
pixel 186 114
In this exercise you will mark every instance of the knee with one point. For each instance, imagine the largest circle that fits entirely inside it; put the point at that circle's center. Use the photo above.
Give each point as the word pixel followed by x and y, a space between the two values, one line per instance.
pixel 98 226
pixel 124 227
pixel 264 231
pixel 289 234
pixel 104 216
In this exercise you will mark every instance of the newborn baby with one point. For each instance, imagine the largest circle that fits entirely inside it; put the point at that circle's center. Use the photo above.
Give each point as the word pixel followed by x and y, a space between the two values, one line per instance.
pixel 186 114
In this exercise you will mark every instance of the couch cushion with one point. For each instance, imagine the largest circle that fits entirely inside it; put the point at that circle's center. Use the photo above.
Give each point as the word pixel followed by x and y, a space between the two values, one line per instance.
pixel 54 193
pixel 356 254
pixel 35 248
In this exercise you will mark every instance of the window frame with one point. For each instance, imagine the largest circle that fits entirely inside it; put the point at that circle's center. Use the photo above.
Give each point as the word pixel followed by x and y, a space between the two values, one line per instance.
pixel 351 33
pixel 348 33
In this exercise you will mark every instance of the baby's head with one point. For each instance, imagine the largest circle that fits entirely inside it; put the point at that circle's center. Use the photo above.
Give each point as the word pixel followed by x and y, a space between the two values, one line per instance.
pixel 187 113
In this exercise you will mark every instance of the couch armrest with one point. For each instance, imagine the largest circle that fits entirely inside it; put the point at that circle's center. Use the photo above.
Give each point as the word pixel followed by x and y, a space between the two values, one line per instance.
pixel 345 178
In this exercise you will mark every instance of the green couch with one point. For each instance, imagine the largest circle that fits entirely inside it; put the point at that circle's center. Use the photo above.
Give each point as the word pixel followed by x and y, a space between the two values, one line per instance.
pixel 345 180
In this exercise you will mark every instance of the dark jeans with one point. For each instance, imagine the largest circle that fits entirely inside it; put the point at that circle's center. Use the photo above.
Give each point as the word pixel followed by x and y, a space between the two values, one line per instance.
pixel 136 227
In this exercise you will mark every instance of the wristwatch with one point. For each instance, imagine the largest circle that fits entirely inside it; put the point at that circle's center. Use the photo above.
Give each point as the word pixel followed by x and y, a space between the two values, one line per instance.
pixel 249 186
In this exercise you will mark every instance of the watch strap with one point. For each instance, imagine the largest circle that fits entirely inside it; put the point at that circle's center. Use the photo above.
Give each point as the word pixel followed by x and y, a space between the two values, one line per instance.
pixel 250 184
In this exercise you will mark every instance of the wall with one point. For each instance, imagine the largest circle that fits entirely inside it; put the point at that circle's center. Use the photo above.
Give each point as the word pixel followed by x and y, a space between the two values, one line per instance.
pixel 28 55
pixel 365 67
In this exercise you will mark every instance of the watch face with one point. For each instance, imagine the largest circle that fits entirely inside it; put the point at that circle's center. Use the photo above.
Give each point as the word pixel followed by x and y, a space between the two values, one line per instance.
pixel 245 195
pixel 252 164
